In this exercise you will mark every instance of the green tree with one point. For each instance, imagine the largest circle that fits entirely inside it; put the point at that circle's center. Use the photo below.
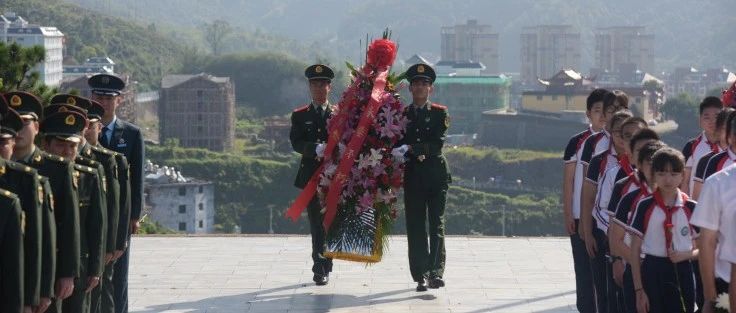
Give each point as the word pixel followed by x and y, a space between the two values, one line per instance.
pixel 215 34
pixel 17 71
pixel 683 109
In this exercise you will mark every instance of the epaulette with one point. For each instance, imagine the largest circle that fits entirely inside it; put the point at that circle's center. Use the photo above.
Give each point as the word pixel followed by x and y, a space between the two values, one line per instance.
pixel 54 157
pixel 8 194
pixel 438 106
pixel 103 150
pixel 20 167
pixel 89 161
pixel 303 108
pixel 85 169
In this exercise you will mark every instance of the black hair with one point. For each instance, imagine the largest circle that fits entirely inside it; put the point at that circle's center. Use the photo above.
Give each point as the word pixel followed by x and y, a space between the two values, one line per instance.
pixel 616 99
pixel 646 152
pixel 668 157
pixel 710 102
pixel 731 125
pixel 596 95
pixel 723 117
pixel 643 134
pixel 634 120
pixel 619 118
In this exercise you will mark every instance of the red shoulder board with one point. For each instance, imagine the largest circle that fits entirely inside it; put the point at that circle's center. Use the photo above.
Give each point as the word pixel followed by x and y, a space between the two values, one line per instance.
pixel 438 106
pixel 302 108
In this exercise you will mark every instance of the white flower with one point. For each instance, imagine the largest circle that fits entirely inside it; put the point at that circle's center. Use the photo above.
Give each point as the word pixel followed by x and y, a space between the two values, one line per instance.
pixel 375 157
pixel 722 302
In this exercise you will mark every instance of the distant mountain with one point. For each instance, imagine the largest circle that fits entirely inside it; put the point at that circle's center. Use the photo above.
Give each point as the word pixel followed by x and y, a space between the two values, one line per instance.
pixel 138 51
pixel 697 33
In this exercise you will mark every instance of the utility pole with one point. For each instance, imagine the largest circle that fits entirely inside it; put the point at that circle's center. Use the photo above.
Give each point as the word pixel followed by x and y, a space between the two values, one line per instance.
pixel 503 220
pixel 270 219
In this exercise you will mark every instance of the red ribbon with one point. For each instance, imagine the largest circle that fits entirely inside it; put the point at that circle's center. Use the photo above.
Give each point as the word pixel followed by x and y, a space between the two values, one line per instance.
pixel 668 212
pixel 625 165
pixel 353 148
pixel 337 126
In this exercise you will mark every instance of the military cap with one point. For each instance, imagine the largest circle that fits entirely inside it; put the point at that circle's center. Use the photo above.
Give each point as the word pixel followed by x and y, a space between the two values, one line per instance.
pixel 10 123
pixel 319 71
pixel 87 105
pixel 106 84
pixel 56 108
pixel 66 125
pixel 95 112
pixel 27 105
pixel 421 71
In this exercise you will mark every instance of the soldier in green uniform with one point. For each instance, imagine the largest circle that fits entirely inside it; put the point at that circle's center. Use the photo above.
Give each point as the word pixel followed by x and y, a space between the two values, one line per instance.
pixel 308 136
pixel 11 228
pixel 11 260
pixel 103 294
pixel 62 135
pixel 426 179
pixel 29 108
pixel 62 202
pixel 24 182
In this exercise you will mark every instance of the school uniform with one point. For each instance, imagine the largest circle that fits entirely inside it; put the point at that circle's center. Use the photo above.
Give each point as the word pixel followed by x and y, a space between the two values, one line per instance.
pixel 699 173
pixel 602 172
pixel 719 162
pixel 717 212
pixel 622 211
pixel 669 286
pixel 583 277
pixel 694 150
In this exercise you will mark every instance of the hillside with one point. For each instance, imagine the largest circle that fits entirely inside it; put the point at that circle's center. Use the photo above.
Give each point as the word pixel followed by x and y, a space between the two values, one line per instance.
pixel 687 32
pixel 144 54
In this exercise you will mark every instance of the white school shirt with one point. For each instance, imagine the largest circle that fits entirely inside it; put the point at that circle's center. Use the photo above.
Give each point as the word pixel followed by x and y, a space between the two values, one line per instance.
pixel 717 211
pixel 648 224
pixel 693 151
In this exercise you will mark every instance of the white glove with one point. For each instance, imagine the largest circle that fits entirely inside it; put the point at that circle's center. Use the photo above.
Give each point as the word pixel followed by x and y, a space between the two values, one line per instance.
pixel 399 152
pixel 320 150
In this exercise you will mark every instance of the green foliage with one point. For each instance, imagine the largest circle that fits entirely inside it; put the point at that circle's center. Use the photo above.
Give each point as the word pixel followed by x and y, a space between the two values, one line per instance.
pixel 144 54
pixel 17 70
pixel 683 109
pixel 476 212
pixel 215 34
pixel 269 83
pixel 151 227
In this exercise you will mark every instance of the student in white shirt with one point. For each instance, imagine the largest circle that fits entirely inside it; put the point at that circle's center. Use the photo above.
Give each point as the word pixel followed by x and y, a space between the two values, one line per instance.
pixel 663 281
pixel 715 217
pixel 572 184
pixel 699 171
pixel 704 143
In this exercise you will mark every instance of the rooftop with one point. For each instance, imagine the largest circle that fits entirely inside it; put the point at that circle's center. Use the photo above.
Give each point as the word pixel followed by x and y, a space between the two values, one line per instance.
pixel 177 79
pixel 491 80
pixel 273 274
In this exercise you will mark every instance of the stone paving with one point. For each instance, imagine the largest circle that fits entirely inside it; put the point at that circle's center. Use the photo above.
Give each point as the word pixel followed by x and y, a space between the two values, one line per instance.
pixel 273 274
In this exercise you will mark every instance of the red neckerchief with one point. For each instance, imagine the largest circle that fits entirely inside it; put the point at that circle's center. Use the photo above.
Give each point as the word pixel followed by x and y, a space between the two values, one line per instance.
pixel 668 212
pixel 623 161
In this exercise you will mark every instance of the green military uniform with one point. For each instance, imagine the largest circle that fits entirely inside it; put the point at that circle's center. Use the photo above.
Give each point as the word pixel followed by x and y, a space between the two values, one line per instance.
pixel 64 204
pixel 125 201
pixel 426 179
pixel 102 296
pixel 67 125
pixel 24 182
pixel 48 248
pixel 93 222
pixel 11 260
pixel 308 130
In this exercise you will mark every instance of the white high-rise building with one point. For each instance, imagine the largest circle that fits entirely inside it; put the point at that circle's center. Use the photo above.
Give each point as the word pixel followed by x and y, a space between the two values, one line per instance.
pixel 14 28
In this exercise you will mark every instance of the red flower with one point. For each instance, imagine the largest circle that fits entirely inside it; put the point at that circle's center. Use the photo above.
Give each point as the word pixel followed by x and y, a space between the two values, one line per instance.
pixel 381 53
pixel 384 180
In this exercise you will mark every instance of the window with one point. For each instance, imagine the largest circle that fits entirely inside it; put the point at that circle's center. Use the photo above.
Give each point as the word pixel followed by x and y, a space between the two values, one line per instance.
pixel 201 189
pixel 201 224
pixel 182 209
pixel 182 226
pixel 539 98
pixel 182 191
pixel 201 206
pixel 554 98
